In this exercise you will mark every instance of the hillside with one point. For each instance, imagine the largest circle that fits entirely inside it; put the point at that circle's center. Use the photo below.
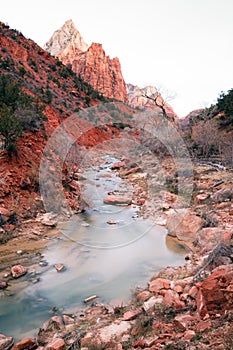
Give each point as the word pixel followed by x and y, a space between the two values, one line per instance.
pixel 45 93
pixel 209 132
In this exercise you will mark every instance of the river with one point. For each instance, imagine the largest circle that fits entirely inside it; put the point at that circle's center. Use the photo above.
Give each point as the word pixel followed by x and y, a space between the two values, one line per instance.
pixel 107 251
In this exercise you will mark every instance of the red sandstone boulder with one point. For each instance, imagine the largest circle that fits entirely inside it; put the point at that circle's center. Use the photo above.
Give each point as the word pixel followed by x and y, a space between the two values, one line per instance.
pixel 25 344
pixel 117 200
pixel 131 315
pixel 183 225
pixel 158 284
pixel 18 271
pixel 184 321
pixel 56 344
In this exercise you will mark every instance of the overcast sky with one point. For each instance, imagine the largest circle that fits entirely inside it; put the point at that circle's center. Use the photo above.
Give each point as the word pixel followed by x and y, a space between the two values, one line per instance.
pixel 185 46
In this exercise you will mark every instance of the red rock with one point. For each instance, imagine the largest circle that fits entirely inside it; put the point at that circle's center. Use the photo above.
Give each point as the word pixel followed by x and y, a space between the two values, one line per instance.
pixel 117 200
pixel 201 305
pixel 59 267
pixel 150 303
pixel 178 289
pixel 193 292
pixel 201 197
pixel 141 201
pixel 18 271
pixel 5 342
pixel 171 298
pixel 159 283
pixel 68 320
pixel 226 236
pixel 92 64
pixel 144 295
pixel 183 225
pixel 131 315
pixel 56 344
pixel 163 327
pixel 188 335
pixel 132 170
pixel 3 284
pixel 55 321
pixel 25 344
pixel 183 322
pixel 203 326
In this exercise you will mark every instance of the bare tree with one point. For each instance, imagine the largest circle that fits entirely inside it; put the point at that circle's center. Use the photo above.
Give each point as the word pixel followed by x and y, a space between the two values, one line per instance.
pixel 161 102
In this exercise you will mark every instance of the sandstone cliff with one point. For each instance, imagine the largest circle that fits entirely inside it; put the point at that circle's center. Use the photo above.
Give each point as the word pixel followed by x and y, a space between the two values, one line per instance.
pixel 92 64
pixel 137 98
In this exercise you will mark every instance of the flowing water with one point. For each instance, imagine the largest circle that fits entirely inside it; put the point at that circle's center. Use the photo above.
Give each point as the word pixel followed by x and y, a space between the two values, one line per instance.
pixel 108 251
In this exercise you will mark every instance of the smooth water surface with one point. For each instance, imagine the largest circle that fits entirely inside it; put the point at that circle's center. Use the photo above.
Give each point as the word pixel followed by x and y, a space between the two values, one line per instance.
pixel 105 259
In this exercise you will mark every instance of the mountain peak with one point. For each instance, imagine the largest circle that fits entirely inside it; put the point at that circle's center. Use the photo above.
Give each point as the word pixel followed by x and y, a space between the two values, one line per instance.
pixel 67 38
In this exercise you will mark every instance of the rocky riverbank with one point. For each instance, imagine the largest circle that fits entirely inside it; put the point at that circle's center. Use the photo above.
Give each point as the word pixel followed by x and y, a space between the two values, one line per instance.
pixel 188 307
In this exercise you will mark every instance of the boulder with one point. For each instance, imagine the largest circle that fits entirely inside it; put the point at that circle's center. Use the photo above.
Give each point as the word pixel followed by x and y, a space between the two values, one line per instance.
pixel 117 200
pixel 150 303
pixel 25 344
pixel 144 295
pixel 158 284
pixel 183 225
pixel 56 344
pixel 18 271
pixel 184 321
pixel 131 315
pixel 6 342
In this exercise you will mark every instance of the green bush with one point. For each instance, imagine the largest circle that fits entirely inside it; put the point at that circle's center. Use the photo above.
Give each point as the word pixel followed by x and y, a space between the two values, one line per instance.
pixel 225 104
pixel 10 129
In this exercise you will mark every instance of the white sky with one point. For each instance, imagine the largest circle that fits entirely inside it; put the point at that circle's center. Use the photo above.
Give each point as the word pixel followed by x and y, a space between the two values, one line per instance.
pixel 184 46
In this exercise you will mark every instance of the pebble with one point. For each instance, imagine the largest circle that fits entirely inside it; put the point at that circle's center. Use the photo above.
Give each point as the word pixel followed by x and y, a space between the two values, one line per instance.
pixel 111 222
pixel 59 267
pixel 85 224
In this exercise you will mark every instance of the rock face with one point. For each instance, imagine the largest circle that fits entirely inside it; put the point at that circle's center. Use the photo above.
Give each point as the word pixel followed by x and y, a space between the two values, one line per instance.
pixel 137 98
pixel 92 64
pixel 66 42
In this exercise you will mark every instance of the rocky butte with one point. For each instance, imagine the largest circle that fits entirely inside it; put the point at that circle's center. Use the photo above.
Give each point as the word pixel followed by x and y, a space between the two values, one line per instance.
pixel 91 63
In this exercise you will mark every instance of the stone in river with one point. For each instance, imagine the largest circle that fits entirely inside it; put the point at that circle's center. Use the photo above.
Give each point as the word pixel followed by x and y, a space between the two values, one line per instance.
pixel 59 267
pixel 117 200
pixel 3 284
pixel 111 222
pixel 18 271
